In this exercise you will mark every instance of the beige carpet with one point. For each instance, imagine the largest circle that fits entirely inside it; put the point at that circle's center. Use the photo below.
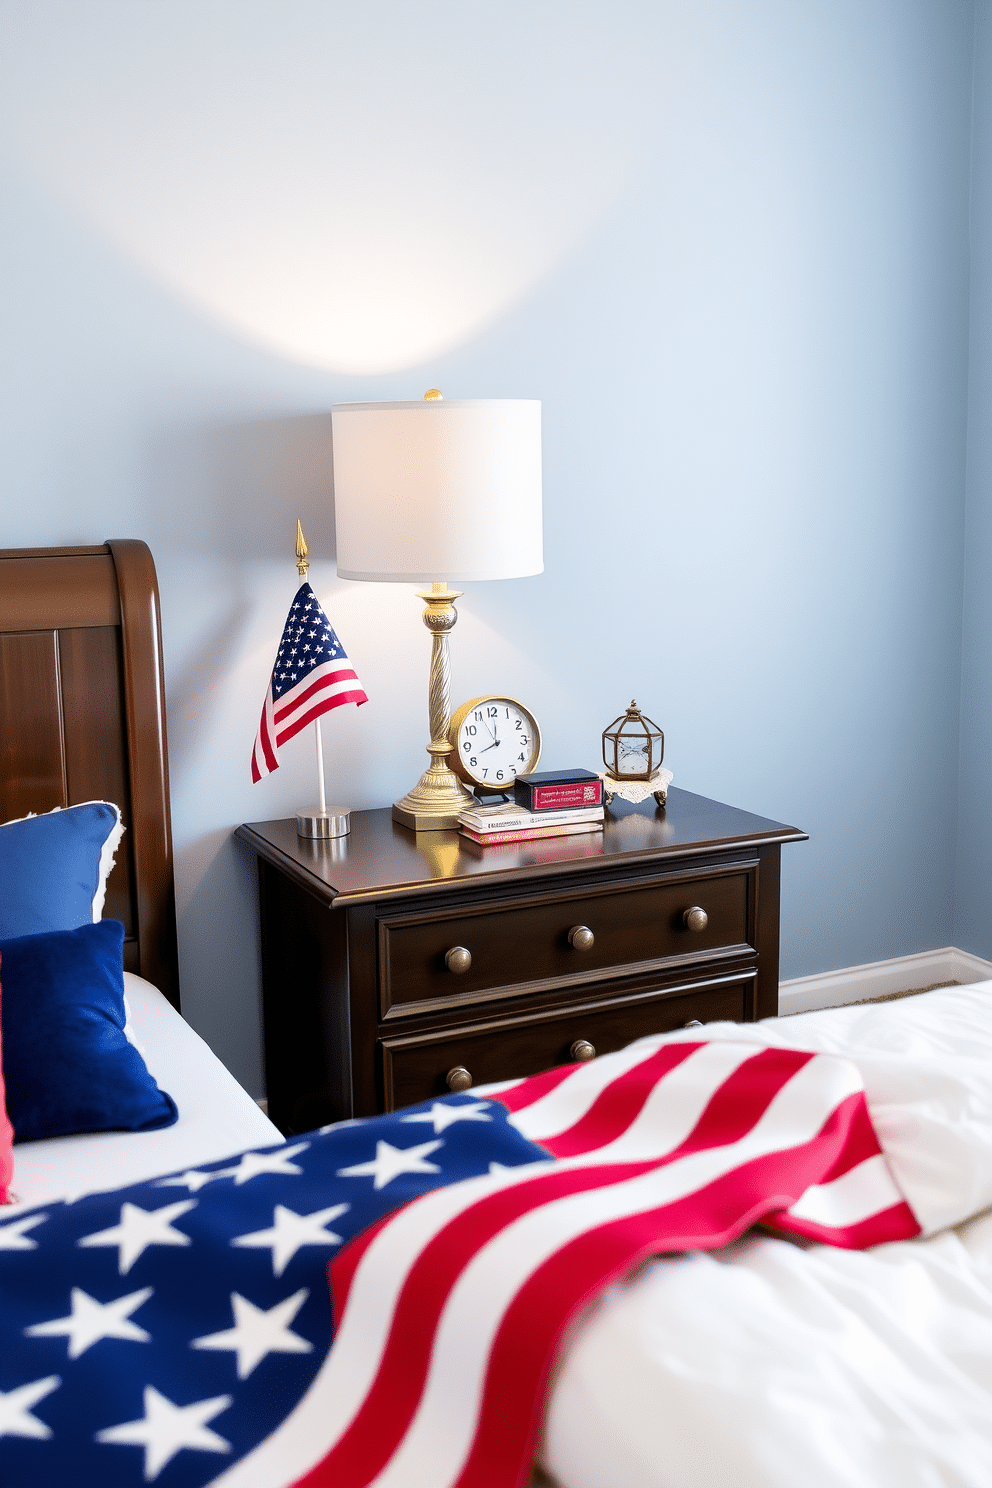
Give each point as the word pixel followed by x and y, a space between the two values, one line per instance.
pixel 910 992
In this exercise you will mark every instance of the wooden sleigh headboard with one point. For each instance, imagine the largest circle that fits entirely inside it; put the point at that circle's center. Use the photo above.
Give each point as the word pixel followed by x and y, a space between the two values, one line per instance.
pixel 82 718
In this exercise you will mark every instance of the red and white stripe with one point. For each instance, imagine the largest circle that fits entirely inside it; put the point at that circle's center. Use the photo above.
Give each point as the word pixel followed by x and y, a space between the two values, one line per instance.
pixel 451 1310
pixel 326 687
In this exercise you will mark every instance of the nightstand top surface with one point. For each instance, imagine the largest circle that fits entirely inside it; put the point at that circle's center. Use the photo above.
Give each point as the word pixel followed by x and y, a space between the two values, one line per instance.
pixel 380 858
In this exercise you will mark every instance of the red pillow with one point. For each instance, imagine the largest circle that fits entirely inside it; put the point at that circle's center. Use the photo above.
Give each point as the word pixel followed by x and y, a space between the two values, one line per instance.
pixel 6 1139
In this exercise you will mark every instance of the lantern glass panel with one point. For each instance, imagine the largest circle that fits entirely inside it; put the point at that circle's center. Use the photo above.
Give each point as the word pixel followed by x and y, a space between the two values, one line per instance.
pixel 633 746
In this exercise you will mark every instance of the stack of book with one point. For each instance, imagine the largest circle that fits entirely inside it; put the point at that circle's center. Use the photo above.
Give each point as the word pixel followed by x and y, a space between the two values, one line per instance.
pixel 547 805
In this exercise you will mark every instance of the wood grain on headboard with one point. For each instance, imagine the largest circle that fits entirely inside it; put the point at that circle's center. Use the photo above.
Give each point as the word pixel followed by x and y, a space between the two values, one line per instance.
pixel 82 718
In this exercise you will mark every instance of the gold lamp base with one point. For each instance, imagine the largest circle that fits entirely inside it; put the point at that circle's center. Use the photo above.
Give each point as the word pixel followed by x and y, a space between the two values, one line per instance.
pixel 434 803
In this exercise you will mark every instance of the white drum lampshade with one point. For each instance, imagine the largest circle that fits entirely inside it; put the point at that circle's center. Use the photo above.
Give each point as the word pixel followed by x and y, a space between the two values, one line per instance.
pixel 438 490
pixel 426 492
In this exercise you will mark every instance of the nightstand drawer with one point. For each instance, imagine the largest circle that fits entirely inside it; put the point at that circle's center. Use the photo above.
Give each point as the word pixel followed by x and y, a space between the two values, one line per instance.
pixel 524 945
pixel 416 1068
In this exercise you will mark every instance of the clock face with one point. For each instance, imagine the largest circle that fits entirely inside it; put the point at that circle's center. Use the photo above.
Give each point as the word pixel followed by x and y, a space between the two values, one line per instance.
pixel 632 757
pixel 495 740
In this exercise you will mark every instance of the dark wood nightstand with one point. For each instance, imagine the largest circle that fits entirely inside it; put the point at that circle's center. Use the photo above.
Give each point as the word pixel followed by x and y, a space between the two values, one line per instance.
pixel 365 1008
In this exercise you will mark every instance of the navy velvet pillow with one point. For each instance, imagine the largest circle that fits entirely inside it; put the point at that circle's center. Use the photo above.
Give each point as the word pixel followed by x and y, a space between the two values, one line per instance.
pixel 67 1064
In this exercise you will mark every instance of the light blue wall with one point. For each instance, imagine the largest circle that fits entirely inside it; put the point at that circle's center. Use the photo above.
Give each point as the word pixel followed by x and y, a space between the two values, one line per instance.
pixel 973 904
pixel 726 244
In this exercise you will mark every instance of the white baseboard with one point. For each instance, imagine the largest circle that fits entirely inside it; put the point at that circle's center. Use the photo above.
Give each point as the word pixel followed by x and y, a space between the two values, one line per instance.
pixel 879 978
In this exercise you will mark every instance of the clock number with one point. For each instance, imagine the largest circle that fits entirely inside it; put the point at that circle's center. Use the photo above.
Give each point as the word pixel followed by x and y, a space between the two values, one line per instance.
pixel 492 712
pixel 518 724
pixel 473 761
pixel 523 740
pixel 522 759
pixel 499 774
pixel 471 729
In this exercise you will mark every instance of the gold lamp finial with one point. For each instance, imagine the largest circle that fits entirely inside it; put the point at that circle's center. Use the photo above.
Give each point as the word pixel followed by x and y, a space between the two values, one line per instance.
pixel 433 395
pixel 301 551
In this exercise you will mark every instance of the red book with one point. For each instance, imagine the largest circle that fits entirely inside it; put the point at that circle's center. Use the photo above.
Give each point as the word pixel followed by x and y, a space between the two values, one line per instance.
pixel 556 790
pixel 522 834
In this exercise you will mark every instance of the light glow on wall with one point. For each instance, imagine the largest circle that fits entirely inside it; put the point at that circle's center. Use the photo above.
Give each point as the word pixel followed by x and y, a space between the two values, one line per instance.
pixel 255 171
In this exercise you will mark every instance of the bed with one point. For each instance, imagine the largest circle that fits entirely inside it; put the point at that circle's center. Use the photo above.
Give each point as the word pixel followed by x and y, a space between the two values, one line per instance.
pixel 82 699
pixel 768 1361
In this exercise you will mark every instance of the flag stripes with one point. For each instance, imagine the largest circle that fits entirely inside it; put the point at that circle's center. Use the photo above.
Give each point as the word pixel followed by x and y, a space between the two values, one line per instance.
pixel 311 676
pixel 451 1309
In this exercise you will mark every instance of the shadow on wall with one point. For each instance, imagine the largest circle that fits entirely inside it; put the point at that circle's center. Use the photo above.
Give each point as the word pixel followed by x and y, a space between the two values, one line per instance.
pixel 193 685
pixel 219 954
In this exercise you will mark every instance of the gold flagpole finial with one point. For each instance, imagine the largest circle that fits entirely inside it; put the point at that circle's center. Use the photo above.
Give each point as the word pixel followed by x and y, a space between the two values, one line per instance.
pixel 301 551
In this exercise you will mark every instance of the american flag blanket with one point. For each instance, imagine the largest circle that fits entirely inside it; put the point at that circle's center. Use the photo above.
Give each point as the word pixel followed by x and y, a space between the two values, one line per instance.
pixel 183 1331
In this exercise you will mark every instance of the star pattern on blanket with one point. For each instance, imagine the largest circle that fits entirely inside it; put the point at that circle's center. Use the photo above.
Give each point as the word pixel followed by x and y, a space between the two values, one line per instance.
pixel 138 1228
pixel 289 1231
pixel 441 1116
pixel 15 1236
pixel 166 1428
pixel 389 1162
pixel 90 1321
pixel 225 1318
pixel 258 1332
pixel 15 1409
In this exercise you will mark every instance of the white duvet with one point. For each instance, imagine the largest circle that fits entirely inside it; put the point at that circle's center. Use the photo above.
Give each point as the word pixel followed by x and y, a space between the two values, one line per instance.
pixel 772 1364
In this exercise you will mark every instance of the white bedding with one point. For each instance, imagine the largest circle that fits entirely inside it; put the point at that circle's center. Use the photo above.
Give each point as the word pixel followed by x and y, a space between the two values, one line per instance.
pixel 216 1116
pixel 772 1363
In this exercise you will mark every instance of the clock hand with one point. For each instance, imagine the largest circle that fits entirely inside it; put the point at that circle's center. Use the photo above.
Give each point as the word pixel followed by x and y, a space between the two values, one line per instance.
pixel 493 745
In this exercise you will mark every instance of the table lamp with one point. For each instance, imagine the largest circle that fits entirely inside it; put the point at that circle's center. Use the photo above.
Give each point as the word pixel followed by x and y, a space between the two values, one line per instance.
pixel 432 491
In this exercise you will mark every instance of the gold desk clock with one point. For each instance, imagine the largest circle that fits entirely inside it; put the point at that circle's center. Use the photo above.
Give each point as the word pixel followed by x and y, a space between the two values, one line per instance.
pixel 493 740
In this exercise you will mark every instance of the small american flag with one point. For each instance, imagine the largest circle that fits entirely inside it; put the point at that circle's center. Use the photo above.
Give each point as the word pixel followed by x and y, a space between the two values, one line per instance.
pixel 180 1332
pixel 311 676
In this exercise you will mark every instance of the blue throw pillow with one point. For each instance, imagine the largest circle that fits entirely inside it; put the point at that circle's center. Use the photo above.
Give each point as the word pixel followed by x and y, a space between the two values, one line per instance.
pixel 54 868
pixel 67 1064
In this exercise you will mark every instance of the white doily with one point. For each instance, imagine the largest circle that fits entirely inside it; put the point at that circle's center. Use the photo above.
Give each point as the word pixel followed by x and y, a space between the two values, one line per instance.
pixel 636 791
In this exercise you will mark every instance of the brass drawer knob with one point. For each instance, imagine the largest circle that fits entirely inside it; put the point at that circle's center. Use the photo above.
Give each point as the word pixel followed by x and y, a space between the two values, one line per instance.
pixel 582 1049
pixel 458 959
pixel 458 1078
pixel 692 1023
pixel 581 938
pixel 696 918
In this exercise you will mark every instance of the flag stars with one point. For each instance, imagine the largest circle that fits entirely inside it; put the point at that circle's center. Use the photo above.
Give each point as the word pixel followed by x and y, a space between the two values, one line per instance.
pixel 441 1116
pixel 193 1180
pixel 15 1237
pixel 140 1228
pixel 291 1231
pixel 389 1162
pixel 91 1321
pixel 166 1429
pixel 15 1409
pixel 253 1164
pixel 257 1332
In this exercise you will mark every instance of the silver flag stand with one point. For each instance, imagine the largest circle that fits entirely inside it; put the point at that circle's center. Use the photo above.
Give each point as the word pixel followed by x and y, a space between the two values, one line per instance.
pixel 320 823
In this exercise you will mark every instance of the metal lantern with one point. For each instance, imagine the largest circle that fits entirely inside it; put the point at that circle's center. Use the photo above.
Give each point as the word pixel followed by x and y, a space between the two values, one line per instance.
pixel 633 746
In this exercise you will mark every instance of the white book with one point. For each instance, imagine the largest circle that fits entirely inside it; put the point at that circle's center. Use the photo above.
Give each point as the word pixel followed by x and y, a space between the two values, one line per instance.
pixel 511 817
